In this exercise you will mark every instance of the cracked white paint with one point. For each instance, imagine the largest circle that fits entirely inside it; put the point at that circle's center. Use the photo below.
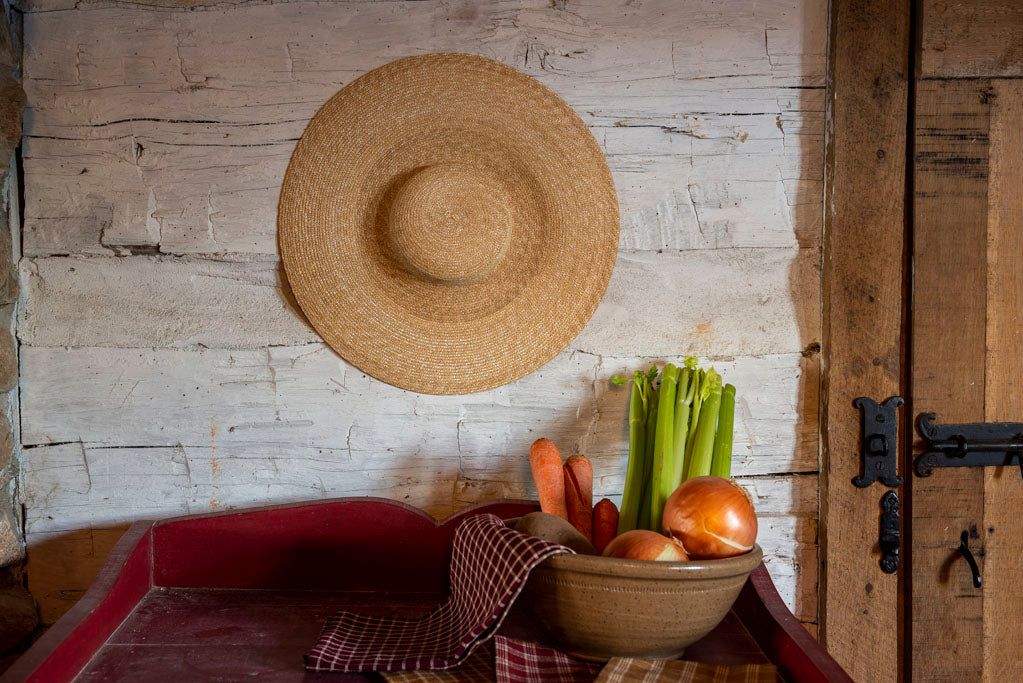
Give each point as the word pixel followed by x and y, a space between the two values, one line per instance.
pixel 165 369
pixel 723 301
pixel 287 396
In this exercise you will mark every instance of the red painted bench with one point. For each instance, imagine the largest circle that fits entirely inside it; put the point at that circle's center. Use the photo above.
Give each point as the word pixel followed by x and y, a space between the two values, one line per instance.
pixel 243 594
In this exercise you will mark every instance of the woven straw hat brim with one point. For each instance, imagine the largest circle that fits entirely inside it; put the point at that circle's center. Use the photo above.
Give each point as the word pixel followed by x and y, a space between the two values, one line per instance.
pixel 447 336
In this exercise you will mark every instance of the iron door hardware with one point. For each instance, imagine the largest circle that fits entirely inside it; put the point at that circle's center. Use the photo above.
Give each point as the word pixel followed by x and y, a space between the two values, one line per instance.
pixel 964 550
pixel 878 446
pixel 879 456
pixel 984 444
pixel 889 537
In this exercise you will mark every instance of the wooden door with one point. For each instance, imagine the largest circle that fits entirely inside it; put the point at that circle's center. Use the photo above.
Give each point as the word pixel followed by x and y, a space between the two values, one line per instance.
pixel 924 298
pixel 966 334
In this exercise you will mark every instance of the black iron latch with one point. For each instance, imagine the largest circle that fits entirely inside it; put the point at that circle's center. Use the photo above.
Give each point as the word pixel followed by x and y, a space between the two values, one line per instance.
pixel 992 444
pixel 878 447
pixel 964 550
pixel 879 453
pixel 889 537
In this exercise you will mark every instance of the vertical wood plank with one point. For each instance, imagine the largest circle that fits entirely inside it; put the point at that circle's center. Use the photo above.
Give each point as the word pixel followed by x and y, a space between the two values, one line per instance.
pixel 868 69
pixel 1003 385
pixel 971 38
pixel 948 358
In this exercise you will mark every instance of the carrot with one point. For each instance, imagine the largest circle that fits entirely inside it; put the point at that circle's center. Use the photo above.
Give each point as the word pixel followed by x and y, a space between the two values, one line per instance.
pixel 605 524
pixel 579 494
pixel 545 462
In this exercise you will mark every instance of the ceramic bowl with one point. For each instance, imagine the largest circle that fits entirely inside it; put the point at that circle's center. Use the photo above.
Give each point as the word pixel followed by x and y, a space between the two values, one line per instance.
pixel 601 607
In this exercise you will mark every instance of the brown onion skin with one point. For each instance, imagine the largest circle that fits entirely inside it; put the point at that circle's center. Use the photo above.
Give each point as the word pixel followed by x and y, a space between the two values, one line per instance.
pixel 704 507
pixel 640 544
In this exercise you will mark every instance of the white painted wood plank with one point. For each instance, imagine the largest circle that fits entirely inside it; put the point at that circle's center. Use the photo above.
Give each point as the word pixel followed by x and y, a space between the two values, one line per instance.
pixel 74 486
pixel 195 117
pixel 721 302
pixel 97 196
pixel 146 188
pixel 305 397
pixel 716 302
pixel 140 301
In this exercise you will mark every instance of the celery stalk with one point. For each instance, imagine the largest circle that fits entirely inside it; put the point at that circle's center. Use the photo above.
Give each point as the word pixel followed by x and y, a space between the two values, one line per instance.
pixel 643 521
pixel 721 466
pixel 699 384
pixel 628 518
pixel 683 402
pixel 703 446
pixel 664 431
pixel 651 423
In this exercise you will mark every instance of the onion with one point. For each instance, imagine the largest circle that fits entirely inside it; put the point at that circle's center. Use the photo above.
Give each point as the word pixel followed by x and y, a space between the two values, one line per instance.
pixel 640 544
pixel 712 517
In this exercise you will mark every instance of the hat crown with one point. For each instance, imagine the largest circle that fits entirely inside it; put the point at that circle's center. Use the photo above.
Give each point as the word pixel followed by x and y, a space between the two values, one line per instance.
pixel 451 223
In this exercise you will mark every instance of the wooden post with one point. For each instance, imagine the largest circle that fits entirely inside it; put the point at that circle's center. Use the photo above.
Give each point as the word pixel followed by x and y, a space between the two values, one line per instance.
pixel 863 270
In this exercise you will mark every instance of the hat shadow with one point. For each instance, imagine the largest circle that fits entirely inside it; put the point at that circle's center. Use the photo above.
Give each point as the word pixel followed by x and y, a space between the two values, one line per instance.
pixel 288 295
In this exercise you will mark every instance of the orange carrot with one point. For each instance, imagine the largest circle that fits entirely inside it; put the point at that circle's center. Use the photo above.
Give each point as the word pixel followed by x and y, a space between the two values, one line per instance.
pixel 579 494
pixel 545 462
pixel 605 524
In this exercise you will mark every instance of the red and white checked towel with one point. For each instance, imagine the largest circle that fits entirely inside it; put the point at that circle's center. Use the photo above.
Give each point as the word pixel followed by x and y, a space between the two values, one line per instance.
pixel 507 660
pixel 516 661
pixel 489 566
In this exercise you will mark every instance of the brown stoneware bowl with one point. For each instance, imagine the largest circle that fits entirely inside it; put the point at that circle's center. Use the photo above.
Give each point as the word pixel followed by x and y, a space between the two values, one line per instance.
pixel 602 607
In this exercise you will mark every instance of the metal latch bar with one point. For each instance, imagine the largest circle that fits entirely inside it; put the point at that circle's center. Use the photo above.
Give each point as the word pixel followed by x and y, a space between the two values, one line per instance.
pixel 981 444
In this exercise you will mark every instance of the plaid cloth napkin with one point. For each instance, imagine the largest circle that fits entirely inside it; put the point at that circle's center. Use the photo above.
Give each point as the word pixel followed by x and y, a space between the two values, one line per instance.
pixel 507 661
pixel 489 566
pixel 628 670
pixel 476 668
pixel 516 661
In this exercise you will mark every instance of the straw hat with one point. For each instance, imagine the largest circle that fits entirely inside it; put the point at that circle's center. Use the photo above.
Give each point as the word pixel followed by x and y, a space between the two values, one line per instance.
pixel 447 223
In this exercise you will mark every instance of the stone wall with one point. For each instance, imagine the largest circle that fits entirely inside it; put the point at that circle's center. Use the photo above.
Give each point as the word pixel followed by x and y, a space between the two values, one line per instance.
pixel 18 613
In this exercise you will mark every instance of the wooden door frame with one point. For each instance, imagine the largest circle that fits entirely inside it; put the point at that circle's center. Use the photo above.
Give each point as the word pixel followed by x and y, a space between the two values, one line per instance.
pixel 864 317
pixel 922 148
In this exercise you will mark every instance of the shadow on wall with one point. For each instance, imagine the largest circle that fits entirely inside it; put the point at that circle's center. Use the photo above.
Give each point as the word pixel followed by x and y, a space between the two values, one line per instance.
pixel 289 294
pixel 806 202
pixel 62 566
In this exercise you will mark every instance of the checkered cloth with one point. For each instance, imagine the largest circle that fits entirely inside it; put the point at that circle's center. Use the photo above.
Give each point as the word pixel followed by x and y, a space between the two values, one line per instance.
pixel 507 661
pixel 476 668
pixel 628 670
pixel 489 566
pixel 516 661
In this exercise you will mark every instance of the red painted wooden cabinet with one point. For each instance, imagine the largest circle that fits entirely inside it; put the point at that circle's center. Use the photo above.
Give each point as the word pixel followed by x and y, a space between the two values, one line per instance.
pixel 243 595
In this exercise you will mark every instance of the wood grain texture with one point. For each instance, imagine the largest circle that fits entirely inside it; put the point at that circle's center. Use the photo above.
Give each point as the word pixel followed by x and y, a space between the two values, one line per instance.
pixel 172 130
pixel 863 271
pixel 62 566
pixel 159 340
pixel 297 400
pixel 1003 384
pixel 724 302
pixel 971 38
pixel 949 303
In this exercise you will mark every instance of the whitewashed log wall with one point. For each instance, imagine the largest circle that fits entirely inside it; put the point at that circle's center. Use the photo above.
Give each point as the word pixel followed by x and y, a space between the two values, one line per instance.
pixel 166 370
